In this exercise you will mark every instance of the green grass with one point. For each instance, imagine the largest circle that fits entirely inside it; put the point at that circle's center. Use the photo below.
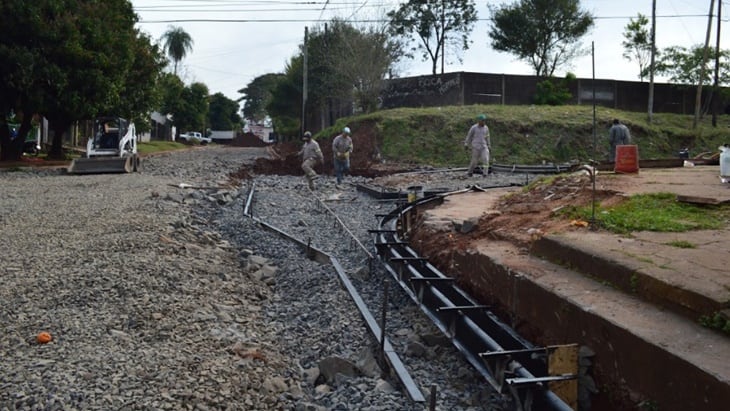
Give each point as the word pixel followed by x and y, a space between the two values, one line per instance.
pixel 542 181
pixel 681 244
pixel 654 212
pixel 156 146
pixel 717 321
pixel 634 282
pixel 529 134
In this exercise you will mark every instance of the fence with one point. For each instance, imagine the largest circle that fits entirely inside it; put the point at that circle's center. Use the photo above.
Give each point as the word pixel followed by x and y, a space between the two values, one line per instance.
pixel 464 88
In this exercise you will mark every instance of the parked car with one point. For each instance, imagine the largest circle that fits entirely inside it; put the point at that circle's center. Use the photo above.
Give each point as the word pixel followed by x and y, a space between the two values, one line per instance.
pixel 194 137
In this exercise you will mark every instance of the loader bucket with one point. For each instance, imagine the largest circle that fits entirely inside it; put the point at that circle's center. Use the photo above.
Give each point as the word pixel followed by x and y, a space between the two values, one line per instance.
pixel 99 165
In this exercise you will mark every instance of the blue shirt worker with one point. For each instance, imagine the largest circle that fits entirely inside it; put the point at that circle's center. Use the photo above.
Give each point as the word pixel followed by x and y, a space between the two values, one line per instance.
pixel 341 150
pixel 311 157
pixel 618 135
pixel 477 139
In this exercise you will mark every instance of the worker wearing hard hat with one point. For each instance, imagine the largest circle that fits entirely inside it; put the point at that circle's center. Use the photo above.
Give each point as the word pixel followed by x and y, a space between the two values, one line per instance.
pixel 311 157
pixel 341 150
pixel 618 135
pixel 477 139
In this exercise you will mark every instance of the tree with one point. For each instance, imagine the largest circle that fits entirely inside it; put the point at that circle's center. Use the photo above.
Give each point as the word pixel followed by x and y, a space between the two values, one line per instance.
pixel 436 23
pixel 188 105
pixel 140 94
pixel 223 113
pixel 177 44
pixel 80 59
pixel 171 90
pixel 192 111
pixel 683 65
pixel 257 95
pixel 545 33
pixel 18 62
pixel 285 106
pixel 347 64
pixel 364 61
pixel 554 92
pixel 637 43
pixel 93 60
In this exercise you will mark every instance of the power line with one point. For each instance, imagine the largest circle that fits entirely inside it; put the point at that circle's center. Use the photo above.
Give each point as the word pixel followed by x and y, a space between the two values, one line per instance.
pixel 250 21
pixel 319 20
pixel 323 7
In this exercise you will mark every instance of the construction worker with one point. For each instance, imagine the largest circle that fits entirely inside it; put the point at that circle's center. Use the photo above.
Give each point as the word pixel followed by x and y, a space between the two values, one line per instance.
pixel 341 150
pixel 478 141
pixel 311 156
pixel 618 135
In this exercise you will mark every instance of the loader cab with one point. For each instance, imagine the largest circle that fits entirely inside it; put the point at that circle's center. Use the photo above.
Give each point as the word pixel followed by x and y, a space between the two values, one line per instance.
pixel 109 131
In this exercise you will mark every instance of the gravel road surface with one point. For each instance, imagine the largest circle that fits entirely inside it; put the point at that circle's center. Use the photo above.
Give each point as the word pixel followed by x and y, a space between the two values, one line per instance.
pixel 159 294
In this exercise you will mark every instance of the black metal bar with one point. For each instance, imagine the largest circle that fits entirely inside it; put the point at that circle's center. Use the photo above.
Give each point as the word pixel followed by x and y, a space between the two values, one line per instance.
pixel 463 308
pixel 511 352
pixel 432 279
pixel 432 402
pixel 382 321
pixel 397 365
pixel 540 380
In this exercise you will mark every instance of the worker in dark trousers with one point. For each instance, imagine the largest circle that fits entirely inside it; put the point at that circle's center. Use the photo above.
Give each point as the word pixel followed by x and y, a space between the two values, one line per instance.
pixel 341 150
pixel 618 135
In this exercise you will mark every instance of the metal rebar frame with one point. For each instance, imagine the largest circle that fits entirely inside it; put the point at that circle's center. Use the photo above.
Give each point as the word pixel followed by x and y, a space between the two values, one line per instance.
pixel 505 360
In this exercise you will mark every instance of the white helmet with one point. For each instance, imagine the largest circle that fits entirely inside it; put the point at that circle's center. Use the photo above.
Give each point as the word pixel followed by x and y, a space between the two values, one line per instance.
pixel 346 130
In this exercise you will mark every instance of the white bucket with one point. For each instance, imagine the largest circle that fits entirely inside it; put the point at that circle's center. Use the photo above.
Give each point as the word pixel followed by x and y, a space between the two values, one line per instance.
pixel 725 161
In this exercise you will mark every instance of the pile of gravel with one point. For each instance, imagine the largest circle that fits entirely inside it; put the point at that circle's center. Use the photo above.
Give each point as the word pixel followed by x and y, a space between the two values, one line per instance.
pixel 160 294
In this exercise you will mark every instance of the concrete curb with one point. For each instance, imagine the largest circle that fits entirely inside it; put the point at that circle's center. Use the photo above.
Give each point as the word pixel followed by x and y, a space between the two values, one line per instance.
pixel 629 276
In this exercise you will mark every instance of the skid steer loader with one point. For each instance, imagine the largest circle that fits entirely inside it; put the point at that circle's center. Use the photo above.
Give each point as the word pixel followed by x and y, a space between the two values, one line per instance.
pixel 112 148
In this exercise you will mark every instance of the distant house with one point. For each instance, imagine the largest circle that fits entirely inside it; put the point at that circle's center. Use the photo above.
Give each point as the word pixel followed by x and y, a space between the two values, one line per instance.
pixel 263 131
pixel 160 128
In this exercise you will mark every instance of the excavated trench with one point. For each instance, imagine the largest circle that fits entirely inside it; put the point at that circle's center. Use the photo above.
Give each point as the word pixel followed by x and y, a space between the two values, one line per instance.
pixel 537 313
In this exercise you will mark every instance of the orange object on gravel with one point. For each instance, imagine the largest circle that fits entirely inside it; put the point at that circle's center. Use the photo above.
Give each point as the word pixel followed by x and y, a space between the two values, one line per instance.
pixel 43 338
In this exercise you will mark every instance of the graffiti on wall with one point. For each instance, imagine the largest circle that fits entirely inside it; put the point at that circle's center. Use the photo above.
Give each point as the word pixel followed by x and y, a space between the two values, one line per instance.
pixel 428 90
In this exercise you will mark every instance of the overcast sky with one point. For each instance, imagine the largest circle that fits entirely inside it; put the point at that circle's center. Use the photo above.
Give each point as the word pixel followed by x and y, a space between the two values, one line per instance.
pixel 238 40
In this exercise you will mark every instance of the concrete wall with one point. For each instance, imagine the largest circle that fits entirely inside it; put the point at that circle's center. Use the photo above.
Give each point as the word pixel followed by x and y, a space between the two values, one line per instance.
pixel 465 88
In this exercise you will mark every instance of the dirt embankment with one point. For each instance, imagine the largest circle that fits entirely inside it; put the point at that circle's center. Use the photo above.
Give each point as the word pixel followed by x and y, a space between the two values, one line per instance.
pixel 364 161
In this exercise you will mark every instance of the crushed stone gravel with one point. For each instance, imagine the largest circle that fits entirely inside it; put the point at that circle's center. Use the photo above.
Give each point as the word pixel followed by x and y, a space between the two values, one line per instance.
pixel 160 294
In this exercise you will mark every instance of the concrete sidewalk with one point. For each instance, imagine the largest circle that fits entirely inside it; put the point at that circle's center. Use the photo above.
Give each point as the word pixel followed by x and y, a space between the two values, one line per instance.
pixel 637 301
pixel 693 282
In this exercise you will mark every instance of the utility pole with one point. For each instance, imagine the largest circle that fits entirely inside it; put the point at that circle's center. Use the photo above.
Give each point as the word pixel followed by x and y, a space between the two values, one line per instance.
pixel 698 96
pixel 651 64
pixel 443 33
pixel 715 89
pixel 304 83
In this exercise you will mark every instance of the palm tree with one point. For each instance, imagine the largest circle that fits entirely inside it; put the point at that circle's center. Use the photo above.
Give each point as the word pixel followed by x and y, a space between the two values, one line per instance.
pixel 177 44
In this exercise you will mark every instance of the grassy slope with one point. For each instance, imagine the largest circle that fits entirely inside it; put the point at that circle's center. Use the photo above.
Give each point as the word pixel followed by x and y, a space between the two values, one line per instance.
pixel 531 134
